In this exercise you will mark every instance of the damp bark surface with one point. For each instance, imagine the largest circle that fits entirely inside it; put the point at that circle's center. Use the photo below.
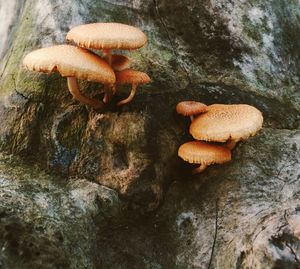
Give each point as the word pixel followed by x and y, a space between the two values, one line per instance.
pixel 81 189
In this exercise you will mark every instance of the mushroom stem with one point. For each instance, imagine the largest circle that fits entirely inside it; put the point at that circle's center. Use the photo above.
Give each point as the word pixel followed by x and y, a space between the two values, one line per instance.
pixel 230 144
pixel 130 97
pixel 107 94
pixel 199 169
pixel 114 89
pixel 74 90
pixel 107 54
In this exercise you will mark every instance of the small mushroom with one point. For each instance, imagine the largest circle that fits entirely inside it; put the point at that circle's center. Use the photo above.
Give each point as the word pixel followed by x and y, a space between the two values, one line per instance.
pixel 230 123
pixel 203 153
pixel 73 63
pixel 107 36
pixel 129 76
pixel 190 108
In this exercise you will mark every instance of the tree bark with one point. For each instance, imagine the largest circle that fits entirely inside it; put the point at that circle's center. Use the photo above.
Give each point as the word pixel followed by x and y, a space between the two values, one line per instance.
pixel 115 194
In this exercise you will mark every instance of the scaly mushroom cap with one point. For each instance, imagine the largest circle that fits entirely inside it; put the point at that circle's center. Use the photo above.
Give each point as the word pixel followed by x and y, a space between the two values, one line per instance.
pixel 223 122
pixel 203 153
pixel 129 76
pixel 108 35
pixel 189 108
pixel 119 62
pixel 70 61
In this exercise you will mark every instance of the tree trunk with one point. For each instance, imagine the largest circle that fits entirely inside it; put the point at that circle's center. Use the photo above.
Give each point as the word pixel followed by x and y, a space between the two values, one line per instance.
pixel 115 194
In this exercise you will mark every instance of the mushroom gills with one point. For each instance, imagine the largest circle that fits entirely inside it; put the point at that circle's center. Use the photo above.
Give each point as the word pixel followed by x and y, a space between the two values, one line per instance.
pixel 231 143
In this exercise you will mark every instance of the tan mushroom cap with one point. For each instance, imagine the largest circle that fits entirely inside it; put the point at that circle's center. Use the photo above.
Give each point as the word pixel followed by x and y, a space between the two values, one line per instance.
pixel 199 152
pixel 70 61
pixel 129 76
pixel 223 122
pixel 119 62
pixel 189 108
pixel 107 35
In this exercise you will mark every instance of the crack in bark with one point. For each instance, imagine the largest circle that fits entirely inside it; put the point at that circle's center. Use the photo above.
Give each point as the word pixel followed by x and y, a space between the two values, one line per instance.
pixel 293 252
pixel 21 94
pixel 15 87
pixel 284 224
pixel 278 175
pixel 170 40
pixel 215 235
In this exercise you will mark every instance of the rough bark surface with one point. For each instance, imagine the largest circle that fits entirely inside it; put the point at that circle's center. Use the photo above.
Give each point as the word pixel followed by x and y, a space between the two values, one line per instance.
pixel 80 189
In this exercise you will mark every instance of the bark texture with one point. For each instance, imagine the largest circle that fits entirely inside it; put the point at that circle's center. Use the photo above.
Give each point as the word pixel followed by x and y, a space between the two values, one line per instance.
pixel 80 189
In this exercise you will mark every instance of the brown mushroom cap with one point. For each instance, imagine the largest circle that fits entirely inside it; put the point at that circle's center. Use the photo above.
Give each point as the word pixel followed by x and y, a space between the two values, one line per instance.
pixel 203 153
pixel 70 61
pixel 107 36
pixel 129 76
pixel 119 62
pixel 189 108
pixel 223 122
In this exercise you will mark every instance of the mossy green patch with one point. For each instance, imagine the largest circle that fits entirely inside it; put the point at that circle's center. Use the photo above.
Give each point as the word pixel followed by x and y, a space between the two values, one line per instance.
pixel 12 61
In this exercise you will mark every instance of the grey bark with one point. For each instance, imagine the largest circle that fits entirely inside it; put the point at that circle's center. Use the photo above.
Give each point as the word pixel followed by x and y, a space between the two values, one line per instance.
pixel 80 189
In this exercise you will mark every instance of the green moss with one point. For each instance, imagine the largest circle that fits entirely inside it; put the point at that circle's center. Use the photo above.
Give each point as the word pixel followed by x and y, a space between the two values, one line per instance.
pixel 22 42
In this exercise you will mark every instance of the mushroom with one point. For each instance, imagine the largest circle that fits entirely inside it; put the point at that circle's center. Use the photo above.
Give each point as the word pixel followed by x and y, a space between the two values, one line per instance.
pixel 230 123
pixel 190 108
pixel 203 153
pixel 107 36
pixel 73 63
pixel 119 62
pixel 129 76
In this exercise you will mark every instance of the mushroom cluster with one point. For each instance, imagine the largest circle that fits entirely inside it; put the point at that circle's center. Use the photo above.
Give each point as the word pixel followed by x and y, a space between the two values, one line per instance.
pixel 217 123
pixel 78 62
